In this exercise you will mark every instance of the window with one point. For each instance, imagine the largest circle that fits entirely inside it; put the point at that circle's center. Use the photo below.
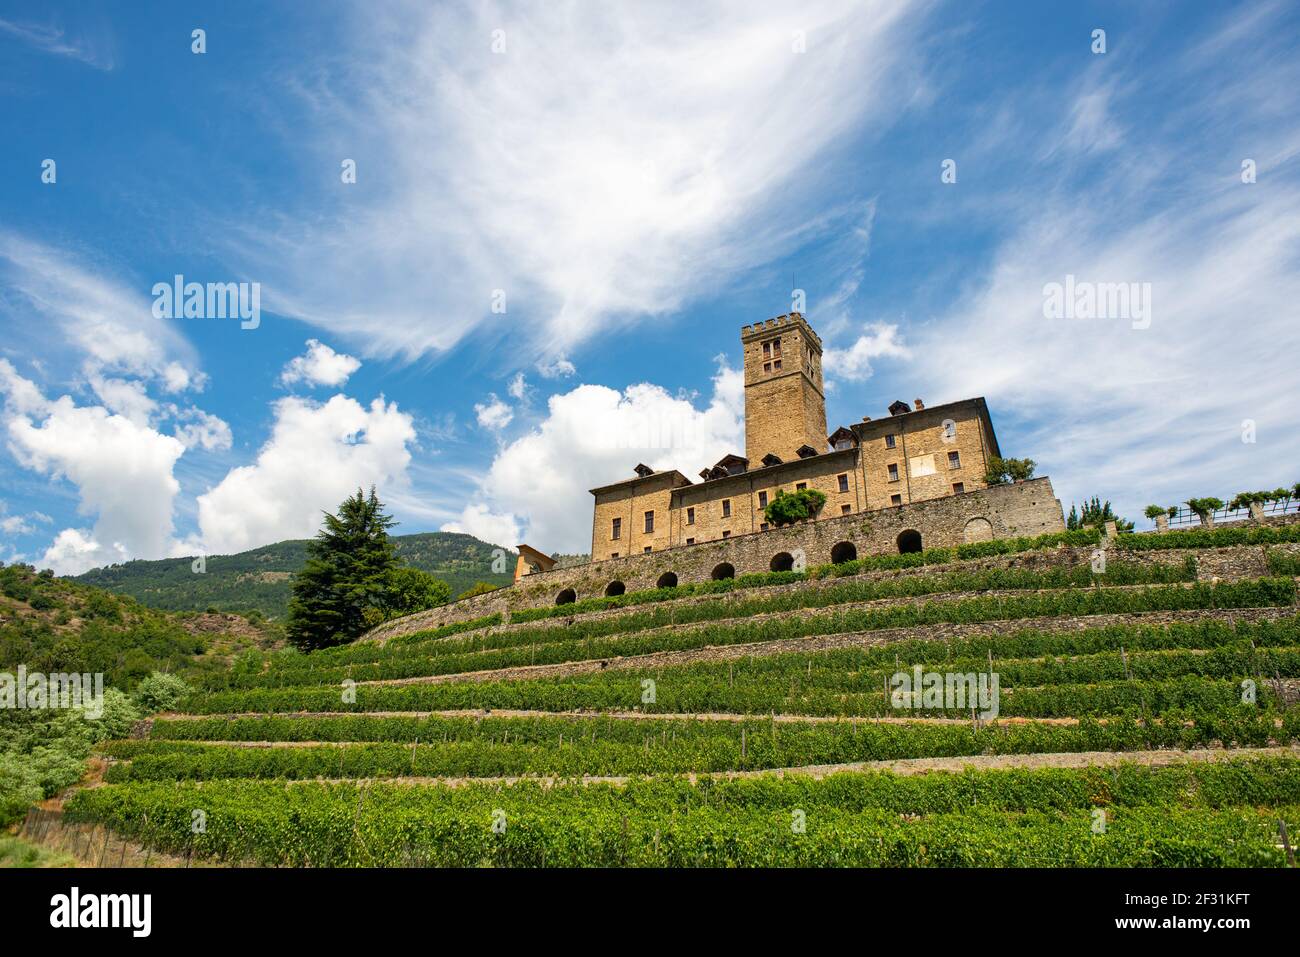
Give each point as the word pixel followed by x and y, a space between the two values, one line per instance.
pixel 762 527
pixel 895 500
pixel 893 475
pixel 767 367
pixel 762 500
pixel 845 509
pixel 690 541
pixel 726 508
pixel 617 530
pixel 891 441
pixel 844 482
pixel 954 460
pixel 800 486
pixel 613 554
pixel 777 365
pixel 649 522
pixel 726 534
pixel 958 487
pixel 690 516
pixel 767 350
pixel 646 549
pixel 776 347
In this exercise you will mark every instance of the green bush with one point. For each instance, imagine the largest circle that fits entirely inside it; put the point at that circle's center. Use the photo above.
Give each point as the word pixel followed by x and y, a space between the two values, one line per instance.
pixel 161 692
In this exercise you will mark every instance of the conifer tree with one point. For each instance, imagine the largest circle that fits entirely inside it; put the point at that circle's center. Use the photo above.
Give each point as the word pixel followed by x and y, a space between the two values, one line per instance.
pixel 341 590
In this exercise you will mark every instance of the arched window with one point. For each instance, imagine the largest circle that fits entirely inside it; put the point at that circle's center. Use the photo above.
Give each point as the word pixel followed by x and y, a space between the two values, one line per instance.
pixel 782 562
pixel 614 588
pixel 843 552
pixel 566 597
pixel 667 580
pixel 725 570
pixel 909 541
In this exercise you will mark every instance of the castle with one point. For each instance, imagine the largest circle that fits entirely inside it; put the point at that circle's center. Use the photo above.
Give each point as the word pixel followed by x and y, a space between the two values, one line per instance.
pixel 916 454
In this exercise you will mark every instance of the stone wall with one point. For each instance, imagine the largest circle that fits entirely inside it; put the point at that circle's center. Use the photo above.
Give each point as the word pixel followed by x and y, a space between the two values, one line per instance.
pixel 1024 508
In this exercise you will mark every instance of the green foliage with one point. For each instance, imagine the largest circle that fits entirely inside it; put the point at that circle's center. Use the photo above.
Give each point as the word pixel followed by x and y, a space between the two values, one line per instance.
pixel 1169 817
pixel 1096 515
pixel 1151 511
pixel 349 565
pixel 1000 471
pixel 790 507
pixel 161 692
pixel 1204 506
pixel 478 588
pixel 42 752
pixel 1218 537
pixel 409 590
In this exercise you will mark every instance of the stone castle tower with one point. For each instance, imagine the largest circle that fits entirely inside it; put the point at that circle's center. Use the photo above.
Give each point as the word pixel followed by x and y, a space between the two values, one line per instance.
pixel 785 408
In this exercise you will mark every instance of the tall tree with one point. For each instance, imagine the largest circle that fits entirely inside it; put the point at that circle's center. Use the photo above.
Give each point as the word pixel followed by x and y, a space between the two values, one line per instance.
pixel 341 590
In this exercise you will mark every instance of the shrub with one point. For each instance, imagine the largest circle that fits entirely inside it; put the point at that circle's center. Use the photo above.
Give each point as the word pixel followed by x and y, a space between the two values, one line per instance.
pixel 1000 470
pixel 161 692
pixel 790 507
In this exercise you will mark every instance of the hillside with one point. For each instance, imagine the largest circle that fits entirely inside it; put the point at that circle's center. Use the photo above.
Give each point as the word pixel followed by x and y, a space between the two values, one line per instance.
pixel 54 624
pixel 260 579
pixel 1144 714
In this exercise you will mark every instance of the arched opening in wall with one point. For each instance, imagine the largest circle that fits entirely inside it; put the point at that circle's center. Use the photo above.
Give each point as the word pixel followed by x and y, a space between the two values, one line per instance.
pixel 614 588
pixel 667 580
pixel 782 562
pixel 566 597
pixel 843 552
pixel 909 541
pixel 725 570
pixel 978 530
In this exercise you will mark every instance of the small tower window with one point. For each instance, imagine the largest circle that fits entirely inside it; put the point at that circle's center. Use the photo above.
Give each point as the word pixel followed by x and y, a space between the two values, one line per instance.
pixel 726 508
pixel 617 530
pixel 649 523
pixel 891 441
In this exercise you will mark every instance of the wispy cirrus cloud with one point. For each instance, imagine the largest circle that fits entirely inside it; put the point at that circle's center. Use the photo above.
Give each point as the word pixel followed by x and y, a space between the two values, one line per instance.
pixel 91 48
pixel 594 175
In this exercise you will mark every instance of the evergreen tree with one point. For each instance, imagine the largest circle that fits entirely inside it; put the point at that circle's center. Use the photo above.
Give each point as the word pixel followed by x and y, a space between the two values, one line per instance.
pixel 342 589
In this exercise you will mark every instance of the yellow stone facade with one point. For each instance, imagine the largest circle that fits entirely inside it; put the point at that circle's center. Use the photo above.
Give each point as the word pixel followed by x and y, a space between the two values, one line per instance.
pixel 913 454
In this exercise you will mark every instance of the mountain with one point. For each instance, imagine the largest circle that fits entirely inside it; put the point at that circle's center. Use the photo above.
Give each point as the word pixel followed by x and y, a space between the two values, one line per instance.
pixel 260 579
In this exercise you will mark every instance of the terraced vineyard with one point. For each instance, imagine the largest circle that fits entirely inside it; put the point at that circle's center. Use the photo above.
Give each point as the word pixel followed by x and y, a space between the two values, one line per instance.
pixel 1144 716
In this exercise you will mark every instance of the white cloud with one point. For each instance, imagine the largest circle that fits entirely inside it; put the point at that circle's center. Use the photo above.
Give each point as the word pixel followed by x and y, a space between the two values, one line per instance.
pixel 92 49
pixel 198 429
pixel 601 169
pixel 1150 415
pixel 493 414
pixel 556 368
pixel 319 365
pixel 854 363
pixel 125 397
pixel 122 470
pixel 109 325
pixel 518 386
pixel 317 455
pixel 591 436
pixel 495 529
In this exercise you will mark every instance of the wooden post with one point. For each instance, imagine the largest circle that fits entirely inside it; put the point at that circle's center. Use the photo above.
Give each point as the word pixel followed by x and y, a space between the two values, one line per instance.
pixel 1124 658
pixel 742 745
pixel 1286 843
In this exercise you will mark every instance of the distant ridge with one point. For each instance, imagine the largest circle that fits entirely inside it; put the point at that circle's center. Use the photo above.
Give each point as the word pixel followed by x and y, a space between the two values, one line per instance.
pixel 259 579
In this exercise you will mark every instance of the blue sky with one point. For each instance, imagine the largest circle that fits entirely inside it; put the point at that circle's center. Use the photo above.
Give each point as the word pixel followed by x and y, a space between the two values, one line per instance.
pixel 632 185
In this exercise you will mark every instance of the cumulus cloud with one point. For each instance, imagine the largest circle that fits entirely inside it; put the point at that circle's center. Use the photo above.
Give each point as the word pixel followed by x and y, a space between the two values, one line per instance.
pixel 518 386
pixel 488 526
pixel 319 365
pixel 854 363
pixel 122 470
pixel 198 429
pixel 493 414
pixel 556 368
pixel 593 435
pixel 317 455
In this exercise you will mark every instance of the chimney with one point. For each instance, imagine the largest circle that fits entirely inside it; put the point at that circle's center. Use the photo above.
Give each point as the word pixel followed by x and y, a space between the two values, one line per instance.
pixel 866 418
pixel 919 404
